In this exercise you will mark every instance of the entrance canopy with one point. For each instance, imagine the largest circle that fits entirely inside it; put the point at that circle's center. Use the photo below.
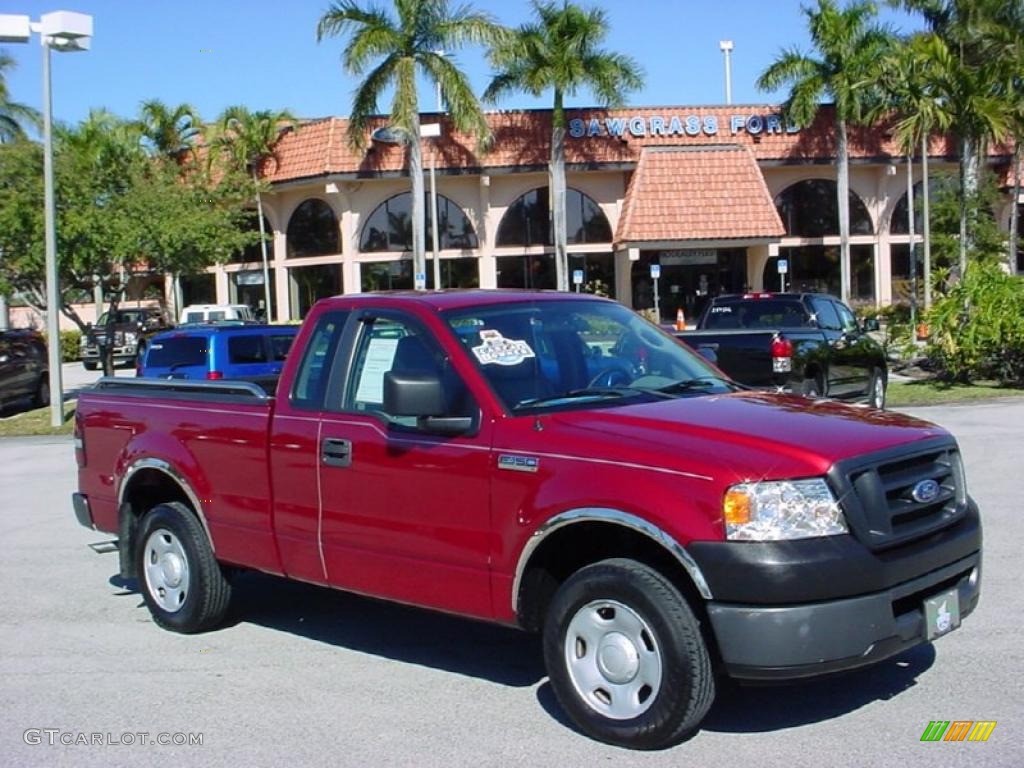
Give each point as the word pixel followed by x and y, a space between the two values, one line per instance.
pixel 707 193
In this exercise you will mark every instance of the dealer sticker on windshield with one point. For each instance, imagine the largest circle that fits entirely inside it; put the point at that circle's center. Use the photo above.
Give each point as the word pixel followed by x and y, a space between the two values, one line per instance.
pixel 497 350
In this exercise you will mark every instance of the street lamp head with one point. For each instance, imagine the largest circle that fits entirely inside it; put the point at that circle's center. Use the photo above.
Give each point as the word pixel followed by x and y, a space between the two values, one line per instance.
pixel 388 134
pixel 15 28
pixel 66 30
pixel 725 45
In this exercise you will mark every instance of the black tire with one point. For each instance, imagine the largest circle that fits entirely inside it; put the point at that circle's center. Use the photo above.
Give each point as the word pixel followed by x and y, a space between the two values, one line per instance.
pixel 41 398
pixel 876 390
pixel 675 708
pixel 203 602
pixel 89 366
pixel 811 387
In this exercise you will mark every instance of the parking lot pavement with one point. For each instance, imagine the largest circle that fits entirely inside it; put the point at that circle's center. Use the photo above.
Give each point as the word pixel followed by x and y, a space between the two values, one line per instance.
pixel 74 377
pixel 304 676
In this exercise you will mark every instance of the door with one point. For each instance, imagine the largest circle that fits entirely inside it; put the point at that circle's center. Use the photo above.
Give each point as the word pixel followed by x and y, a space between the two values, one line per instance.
pixel 405 514
pixel 858 355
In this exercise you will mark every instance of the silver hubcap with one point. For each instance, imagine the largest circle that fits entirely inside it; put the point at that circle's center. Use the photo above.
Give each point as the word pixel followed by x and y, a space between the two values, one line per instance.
pixel 166 567
pixel 613 659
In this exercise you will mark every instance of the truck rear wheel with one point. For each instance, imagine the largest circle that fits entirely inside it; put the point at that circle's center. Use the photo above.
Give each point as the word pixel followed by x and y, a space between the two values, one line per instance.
pixel 180 579
pixel 626 657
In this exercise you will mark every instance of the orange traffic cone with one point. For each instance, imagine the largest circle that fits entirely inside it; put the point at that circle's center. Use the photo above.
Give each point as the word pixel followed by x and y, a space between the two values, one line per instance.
pixel 680 320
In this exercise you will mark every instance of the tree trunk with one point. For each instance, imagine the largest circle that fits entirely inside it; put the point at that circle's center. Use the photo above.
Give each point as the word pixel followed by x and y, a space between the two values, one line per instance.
pixel 419 227
pixel 1015 209
pixel 913 248
pixel 843 193
pixel 5 315
pixel 968 190
pixel 106 349
pixel 925 213
pixel 263 249
pixel 557 172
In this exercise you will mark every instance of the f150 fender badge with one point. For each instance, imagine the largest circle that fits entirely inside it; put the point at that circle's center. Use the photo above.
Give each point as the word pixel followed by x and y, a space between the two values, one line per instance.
pixel 925 491
pixel 518 463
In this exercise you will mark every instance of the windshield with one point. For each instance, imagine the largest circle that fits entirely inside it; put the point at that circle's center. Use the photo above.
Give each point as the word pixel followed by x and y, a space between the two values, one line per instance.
pixel 120 317
pixel 569 354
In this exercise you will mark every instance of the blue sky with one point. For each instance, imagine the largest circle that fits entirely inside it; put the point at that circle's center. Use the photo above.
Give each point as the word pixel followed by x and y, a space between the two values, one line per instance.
pixel 263 53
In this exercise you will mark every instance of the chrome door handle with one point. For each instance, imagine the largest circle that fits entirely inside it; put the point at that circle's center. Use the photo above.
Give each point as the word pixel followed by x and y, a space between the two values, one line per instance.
pixel 335 452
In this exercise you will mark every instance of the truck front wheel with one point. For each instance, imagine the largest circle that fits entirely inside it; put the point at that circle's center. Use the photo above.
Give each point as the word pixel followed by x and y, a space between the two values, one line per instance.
pixel 180 579
pixel 626 657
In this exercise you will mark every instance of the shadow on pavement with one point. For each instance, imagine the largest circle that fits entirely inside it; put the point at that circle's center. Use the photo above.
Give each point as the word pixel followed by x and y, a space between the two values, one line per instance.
pixel 409 635
pixel 510 657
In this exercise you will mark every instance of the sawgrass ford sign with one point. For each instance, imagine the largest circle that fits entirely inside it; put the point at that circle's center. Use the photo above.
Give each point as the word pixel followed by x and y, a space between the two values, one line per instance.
pixel 640 126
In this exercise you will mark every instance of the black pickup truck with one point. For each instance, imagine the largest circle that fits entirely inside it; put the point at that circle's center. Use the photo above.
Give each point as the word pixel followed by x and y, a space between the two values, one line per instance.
pixel 805 343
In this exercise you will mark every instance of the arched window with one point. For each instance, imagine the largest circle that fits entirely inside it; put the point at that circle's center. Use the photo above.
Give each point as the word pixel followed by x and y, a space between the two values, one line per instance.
pixel 253 252
pixel 312 230
pixel 898 222
pixel 528 221
pixel 810 209
pixel 389 227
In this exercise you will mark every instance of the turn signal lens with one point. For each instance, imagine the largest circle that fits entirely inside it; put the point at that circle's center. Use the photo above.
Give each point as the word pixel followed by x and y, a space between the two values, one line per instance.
pixel 736 508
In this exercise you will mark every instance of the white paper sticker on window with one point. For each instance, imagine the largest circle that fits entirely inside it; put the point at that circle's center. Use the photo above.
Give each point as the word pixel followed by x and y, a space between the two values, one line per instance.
pixel 380 356
pixel 497 350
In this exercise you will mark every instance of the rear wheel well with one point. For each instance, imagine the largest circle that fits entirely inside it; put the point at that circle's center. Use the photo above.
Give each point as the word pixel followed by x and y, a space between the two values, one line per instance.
pixel 146 489
pixel 568 549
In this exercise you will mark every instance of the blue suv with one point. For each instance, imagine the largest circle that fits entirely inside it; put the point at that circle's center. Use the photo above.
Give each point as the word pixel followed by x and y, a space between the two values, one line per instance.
pixel 248 352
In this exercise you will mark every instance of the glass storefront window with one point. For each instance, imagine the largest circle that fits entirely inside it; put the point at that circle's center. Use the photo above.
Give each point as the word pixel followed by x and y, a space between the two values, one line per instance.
pixel 810 209
pixel 689 279
pixel 313 230
pixel 527 271
pixel 899 257
pixel 310 284
pixel 198 289
pixel 455 273
pixel 598 273
pixel 528 220
pixel 815 269
pixel 247 288
pixel 389 227
pixel 254 253
pixel 386 275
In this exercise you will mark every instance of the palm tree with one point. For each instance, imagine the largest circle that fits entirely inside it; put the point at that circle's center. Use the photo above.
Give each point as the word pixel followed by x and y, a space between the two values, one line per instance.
pixel 967 67
pixel 560 52
pixel 247 139
pixel 391 51
pixel 849 45
pixel 169 131
pixel 907 77
pixel 12 114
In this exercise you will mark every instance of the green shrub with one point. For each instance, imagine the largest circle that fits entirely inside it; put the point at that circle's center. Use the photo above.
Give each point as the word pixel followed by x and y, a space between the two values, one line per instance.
pixel 69 345
pixel 976 331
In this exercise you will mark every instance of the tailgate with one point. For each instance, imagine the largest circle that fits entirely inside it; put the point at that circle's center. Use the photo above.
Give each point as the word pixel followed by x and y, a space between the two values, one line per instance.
pixel 743 354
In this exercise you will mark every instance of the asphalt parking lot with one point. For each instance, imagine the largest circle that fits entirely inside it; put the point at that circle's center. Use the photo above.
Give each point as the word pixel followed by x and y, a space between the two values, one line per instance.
pixel 304 676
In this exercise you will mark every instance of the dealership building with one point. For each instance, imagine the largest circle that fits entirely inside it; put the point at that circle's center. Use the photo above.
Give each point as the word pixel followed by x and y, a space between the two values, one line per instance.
pixel 719 197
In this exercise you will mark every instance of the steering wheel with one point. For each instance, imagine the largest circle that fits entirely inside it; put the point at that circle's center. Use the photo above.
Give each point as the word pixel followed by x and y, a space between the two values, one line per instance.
pixel 616 376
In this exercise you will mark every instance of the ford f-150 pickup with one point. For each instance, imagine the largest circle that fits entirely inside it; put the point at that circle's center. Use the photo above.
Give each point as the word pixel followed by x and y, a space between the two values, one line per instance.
pixel 553 462
pixel 803 343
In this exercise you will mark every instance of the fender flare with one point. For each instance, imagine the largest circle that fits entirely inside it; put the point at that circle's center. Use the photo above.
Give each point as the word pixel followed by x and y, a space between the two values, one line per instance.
pixel 615 517
pixel 165 467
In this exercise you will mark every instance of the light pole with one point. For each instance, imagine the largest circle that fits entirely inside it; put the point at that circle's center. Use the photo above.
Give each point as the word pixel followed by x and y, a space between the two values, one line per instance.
pixel 63 31
pixel 433 131
pixel 726 47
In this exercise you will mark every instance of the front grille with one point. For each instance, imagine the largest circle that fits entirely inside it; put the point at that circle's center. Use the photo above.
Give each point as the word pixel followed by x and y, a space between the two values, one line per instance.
pixel 877 492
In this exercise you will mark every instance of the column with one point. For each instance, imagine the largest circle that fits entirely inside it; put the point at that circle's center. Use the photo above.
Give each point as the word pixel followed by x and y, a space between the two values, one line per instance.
pixel 488 263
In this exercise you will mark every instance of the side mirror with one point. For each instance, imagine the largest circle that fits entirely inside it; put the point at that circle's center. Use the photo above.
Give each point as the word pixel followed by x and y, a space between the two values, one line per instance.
pixel 422 395
pixel 870 324
pixel 708 353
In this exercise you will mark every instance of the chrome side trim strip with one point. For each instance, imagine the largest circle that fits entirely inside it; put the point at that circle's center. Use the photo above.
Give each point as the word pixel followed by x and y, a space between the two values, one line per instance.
pixel 616 517
pixel 163 466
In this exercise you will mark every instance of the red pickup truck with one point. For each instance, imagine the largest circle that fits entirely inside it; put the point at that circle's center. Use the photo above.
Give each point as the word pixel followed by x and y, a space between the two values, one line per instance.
pixel 552 462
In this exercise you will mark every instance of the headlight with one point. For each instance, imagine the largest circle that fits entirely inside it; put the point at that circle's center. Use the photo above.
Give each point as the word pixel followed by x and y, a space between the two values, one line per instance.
pixel 781 509
pixel 131 337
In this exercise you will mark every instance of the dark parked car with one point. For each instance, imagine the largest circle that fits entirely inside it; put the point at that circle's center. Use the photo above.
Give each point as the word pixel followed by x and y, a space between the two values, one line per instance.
pixel 804 343
pixel 23 369
pixel 253 353
pixel 130 330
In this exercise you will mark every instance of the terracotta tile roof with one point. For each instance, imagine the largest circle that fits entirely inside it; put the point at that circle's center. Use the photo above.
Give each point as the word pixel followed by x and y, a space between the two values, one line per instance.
pixel 697 193
pixel 603 137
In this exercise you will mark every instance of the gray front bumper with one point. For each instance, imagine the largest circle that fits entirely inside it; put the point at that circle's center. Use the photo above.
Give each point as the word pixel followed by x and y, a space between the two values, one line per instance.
pixel 760 642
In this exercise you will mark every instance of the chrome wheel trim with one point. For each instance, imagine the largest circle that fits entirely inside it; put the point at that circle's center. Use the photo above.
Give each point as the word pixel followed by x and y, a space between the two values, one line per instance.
pixel 166 570
pixel 877 399
pixel 613 659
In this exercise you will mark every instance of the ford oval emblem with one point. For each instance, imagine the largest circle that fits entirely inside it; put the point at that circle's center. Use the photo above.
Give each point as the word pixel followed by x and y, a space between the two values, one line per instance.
pixel 925 491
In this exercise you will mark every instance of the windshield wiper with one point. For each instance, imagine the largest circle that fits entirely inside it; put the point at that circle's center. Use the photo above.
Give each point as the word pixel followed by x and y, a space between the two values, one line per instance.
pixel 575 394
pixel 700 382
